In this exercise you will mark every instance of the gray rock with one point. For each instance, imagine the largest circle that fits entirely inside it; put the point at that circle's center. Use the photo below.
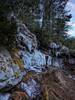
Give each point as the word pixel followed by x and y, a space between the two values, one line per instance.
pixel 10 74
pixel 35 61
pixel 32 88
pixel 25 37
pixel 5 96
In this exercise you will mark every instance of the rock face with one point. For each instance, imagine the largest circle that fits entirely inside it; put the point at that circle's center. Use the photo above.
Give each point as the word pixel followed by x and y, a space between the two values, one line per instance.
pixel 33 58
pixel 10 74
pixel 31 88
pixel 26 38
pixel 35 61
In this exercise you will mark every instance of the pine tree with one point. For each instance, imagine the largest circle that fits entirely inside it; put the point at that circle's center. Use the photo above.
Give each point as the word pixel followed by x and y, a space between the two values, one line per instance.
pixel 51 15
pixel 56 16
pixel 54 21
pixel 7 29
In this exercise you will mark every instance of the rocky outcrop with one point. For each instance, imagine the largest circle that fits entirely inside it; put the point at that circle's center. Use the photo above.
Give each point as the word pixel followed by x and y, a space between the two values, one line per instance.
pixel 25 38
pixel 35 61
pixel 31 87
pixel 10 73
pixel 59 49
pixel 33 58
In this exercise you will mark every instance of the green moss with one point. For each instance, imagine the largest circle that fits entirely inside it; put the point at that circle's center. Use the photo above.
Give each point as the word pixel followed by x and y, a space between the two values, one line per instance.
pixel 16 74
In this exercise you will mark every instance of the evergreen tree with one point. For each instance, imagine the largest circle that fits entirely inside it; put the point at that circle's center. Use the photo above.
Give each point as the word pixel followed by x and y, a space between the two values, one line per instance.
pixel 56 16
pixel 7 28
pixel 54 21
pixel 45 18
